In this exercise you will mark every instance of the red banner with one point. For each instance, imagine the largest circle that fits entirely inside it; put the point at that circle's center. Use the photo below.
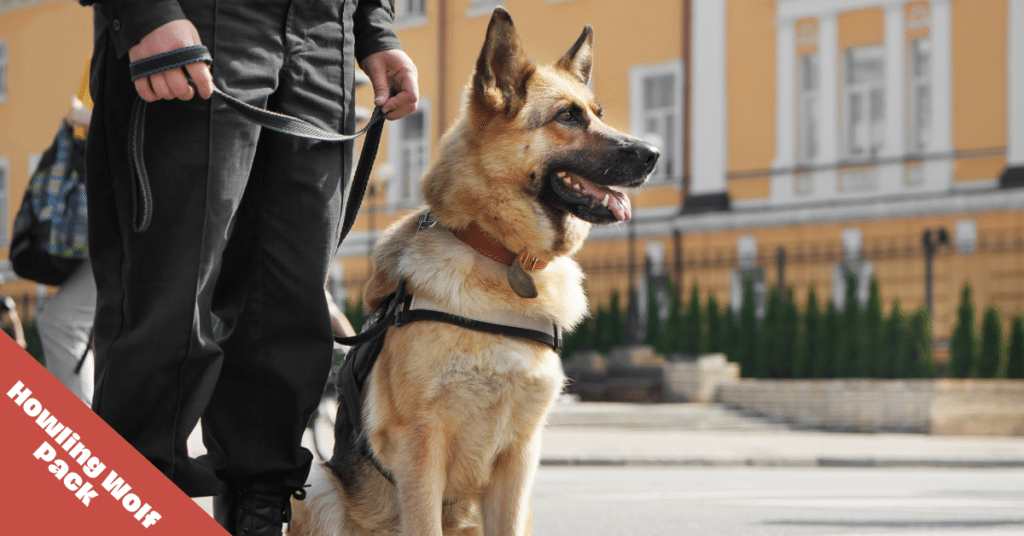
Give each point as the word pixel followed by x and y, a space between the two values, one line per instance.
pixel 66 472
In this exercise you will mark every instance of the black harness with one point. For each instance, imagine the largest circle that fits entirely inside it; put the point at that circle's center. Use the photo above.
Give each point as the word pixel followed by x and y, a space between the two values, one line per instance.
pixel 351 377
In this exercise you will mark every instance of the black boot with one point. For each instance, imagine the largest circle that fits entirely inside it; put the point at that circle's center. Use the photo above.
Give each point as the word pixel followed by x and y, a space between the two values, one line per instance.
pixel 254 509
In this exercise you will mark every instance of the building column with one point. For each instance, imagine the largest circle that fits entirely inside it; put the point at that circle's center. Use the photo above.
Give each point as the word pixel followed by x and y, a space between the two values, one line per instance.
pixel 828 54
pixel 826 177
pixel 895 82
pixel 891 174
pixel 939 172
pixel 1014 174
pixel 785 94
pixel 708 113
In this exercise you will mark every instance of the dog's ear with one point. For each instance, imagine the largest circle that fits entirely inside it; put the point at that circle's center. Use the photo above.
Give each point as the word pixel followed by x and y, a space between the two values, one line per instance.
pixel 580 58
pixel 503 68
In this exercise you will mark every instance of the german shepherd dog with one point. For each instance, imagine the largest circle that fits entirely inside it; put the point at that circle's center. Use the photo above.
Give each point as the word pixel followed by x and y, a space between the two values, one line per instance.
pixel 455 415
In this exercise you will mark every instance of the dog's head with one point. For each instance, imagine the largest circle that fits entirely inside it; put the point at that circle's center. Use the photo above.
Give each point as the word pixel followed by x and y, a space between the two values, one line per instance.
pixel 530 160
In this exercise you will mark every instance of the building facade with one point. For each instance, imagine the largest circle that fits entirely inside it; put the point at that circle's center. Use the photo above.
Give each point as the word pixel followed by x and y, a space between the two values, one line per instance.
pixel 802 140
pixel 44 46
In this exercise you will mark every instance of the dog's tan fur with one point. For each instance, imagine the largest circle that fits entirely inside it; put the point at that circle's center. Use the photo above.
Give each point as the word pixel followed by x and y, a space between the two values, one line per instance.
pixel 454 414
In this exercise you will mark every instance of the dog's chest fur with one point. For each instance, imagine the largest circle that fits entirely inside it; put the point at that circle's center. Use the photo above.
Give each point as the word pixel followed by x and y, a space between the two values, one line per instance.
pixel 485 391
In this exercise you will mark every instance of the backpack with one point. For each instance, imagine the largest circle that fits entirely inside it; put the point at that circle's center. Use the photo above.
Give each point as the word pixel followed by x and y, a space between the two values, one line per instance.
pixel 50 238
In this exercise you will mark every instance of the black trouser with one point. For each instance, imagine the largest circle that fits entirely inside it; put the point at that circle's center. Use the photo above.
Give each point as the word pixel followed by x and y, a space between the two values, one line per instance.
pixel 244 226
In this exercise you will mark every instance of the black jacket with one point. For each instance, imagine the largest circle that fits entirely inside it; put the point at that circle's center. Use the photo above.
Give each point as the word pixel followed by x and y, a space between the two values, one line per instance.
pixel 131 20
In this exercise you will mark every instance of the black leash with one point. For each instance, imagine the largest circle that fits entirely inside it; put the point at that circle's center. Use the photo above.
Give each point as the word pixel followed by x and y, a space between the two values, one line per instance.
pixel 279 122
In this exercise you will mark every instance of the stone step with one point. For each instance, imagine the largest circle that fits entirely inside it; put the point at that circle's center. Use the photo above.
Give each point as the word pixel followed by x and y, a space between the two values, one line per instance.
pixel 683 416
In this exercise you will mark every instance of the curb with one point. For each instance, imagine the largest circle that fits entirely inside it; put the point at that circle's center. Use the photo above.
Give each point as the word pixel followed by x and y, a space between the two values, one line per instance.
pixel 775 462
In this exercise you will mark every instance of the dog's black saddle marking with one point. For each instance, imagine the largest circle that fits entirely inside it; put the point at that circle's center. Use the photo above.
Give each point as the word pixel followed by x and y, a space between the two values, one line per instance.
pixel 349 435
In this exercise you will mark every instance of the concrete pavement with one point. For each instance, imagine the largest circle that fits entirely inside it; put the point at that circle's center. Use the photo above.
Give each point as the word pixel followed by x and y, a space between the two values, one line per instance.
pixel 599 433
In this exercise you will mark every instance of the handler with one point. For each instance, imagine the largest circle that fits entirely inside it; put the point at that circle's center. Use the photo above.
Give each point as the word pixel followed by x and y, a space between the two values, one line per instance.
pixel 244 224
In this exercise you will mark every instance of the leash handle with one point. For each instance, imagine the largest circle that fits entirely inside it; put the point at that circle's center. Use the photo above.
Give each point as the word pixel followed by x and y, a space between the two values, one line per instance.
pixel 286 124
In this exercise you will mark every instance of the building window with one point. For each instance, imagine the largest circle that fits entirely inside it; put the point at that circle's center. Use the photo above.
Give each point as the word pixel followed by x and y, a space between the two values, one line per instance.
pixel 483 7
pixel 656 103
pixel 5 200
pixel 3 71
pixel 409 149
pixel 809 75
pixel 920 100
pixel 864 102
pixel 410 13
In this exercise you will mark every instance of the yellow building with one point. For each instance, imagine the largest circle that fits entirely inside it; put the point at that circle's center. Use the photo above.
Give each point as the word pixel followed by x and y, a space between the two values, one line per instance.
pixel 802 139
pixel 44 46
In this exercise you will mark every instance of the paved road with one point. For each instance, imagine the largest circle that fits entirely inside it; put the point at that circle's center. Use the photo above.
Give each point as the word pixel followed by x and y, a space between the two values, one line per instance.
pixel 756 501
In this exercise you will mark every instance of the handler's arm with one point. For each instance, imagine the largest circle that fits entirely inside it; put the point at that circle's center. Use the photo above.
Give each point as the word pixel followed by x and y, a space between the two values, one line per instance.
pixel 143 28
pixel 381 57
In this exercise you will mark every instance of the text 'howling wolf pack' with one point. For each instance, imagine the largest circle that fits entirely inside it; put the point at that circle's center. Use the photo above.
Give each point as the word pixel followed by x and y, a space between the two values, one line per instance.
pixel 451 416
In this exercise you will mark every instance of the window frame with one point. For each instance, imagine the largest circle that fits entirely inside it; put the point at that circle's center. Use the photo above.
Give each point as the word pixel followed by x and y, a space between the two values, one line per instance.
pixel 808 146
pixel 4 71
pixel 865 90
pixel 5 201
pixel 397 147
pixel 479 8
pixel 915 144
pixel 404 19
pixel 640 116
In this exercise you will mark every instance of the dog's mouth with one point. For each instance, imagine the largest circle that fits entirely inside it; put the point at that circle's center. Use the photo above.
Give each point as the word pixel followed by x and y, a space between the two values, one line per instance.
pixel 592 202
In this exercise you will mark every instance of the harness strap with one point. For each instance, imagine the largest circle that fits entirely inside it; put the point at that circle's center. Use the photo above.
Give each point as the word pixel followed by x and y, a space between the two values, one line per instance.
pixel 528 327
pixel 279 122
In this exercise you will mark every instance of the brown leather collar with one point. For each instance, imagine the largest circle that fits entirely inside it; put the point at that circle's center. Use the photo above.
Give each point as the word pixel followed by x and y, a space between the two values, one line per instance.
pixel 486 244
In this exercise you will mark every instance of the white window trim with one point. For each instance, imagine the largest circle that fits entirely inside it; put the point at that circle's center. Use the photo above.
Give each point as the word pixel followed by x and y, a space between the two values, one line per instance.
pixel 939 171
pixel 405 20
pixel 479 8
pixel 394 157
pixel 914 82
pixel 637 119
pixel 5 76
pixel 5 201
pixel 808 105
pixel 864 89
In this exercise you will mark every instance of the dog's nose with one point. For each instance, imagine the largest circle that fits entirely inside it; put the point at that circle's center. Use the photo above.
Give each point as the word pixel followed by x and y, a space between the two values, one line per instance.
pixel 647 154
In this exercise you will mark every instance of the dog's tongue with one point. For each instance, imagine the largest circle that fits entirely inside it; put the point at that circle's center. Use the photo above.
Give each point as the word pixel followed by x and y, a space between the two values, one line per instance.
pixel 618 202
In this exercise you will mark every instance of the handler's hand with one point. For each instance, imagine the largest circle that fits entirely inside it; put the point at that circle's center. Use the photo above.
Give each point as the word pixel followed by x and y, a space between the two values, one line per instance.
pixel 171 84
pixel 392 69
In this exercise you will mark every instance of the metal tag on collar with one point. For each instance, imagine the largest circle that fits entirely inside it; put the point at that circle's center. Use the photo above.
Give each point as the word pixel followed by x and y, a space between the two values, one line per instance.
pixel 425 221
pixel 520 281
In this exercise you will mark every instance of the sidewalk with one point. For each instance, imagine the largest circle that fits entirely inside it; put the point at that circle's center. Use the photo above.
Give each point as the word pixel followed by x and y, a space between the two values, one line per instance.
pixel 712 435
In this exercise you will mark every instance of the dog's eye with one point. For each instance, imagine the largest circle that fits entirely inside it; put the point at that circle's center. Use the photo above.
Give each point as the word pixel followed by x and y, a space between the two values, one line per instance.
pixel 566 116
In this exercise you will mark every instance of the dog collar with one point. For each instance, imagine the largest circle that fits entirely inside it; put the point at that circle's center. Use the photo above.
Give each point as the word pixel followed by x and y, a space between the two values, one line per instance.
pixel 489 246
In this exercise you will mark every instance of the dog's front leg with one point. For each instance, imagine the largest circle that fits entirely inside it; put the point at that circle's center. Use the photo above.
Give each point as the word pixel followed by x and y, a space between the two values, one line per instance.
pixel 421 477
pixel 506 500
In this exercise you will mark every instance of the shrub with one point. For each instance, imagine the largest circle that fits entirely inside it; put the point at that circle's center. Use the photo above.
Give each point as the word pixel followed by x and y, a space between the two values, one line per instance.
pixel 579 339
pixel 845 361
pixel 694 328
pixel 715 325
pixel 767 336
pixel 729 335
pixel 922 362
pixel 673 326
pixel 746 339
pixel 616 323
pixel 824 357
pixel 652 325
pixel 869 335
pixel 895 361
pixel 785 338
pixel 807 339
pixel 1015 350
pixel 354 312
pixel 991 344
pixel 963 340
